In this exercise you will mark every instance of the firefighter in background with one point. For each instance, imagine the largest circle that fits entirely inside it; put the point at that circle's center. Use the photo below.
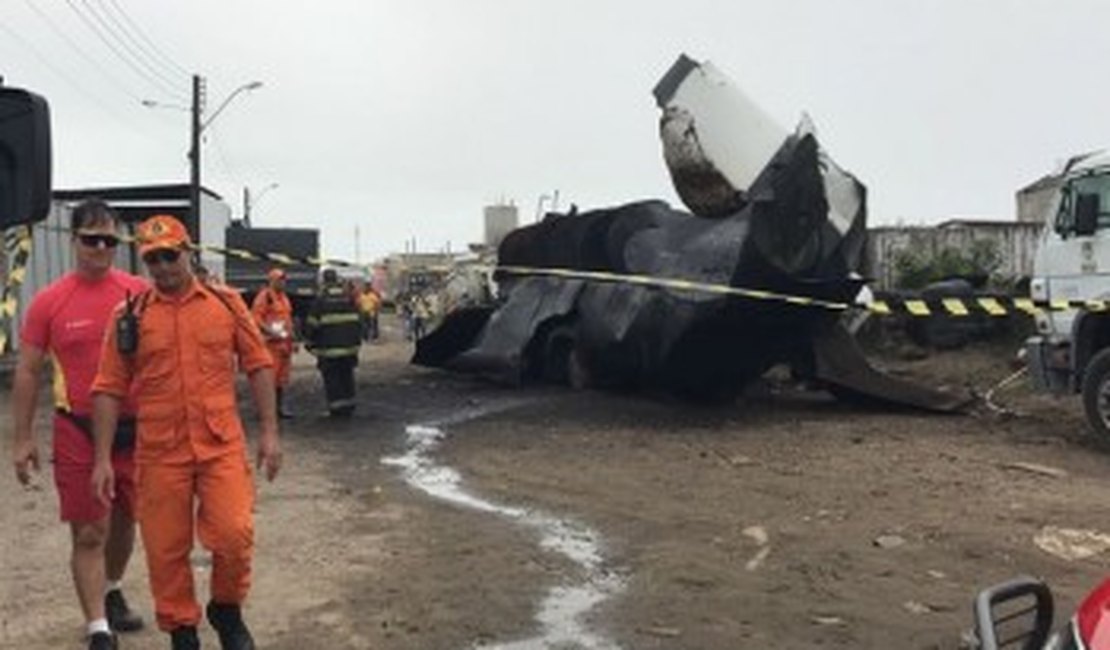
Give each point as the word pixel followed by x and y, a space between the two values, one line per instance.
pixel 177 349
pixel 274 313
pixel 332 332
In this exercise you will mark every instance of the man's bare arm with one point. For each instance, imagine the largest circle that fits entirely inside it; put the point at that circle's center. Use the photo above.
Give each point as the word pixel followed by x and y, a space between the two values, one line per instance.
pixel 25 393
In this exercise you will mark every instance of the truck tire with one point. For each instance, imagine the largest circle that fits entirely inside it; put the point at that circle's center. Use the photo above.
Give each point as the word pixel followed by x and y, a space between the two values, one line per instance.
pixel 1096 394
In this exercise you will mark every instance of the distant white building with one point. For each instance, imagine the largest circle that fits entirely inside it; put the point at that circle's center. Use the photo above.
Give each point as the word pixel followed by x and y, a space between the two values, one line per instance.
pixel 500 220
pixel 1038 201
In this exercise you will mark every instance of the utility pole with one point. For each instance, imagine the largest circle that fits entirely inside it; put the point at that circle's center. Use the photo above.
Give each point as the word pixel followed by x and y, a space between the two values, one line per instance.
pixel 194 152
pixel 246 206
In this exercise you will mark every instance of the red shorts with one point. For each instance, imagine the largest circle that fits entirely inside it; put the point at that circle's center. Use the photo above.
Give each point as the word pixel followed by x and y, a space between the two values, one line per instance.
pixel 73 465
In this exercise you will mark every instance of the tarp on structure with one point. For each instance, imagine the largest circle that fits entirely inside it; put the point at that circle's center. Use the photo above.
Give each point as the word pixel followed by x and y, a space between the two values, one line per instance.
pixel 797 228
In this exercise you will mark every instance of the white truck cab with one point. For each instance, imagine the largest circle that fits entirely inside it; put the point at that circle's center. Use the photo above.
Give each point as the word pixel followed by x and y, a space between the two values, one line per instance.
pixel 1071 351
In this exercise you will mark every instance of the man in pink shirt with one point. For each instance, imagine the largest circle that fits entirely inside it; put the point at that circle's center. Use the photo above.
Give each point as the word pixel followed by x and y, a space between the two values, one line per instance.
pixel 66 321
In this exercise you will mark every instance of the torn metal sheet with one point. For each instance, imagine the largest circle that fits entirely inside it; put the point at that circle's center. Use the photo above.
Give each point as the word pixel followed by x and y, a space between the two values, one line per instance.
pixel 716 140
pixel 795 226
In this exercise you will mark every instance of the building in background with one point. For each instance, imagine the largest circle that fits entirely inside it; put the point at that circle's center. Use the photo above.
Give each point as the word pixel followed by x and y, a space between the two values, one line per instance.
pixel 500 220
pixel 1038 201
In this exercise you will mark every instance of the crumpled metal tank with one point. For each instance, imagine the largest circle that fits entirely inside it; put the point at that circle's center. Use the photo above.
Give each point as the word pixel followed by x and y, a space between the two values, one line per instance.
pixel 793 226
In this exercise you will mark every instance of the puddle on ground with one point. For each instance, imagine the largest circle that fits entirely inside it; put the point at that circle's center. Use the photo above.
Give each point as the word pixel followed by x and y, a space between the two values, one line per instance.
pixel 564 607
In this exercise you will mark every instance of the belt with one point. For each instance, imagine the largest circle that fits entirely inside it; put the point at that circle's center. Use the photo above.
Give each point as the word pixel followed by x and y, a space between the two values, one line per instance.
pixel 125 429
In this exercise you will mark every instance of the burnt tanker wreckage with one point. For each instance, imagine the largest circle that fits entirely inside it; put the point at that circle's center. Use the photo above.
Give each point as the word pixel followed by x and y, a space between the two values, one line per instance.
pixel 781 218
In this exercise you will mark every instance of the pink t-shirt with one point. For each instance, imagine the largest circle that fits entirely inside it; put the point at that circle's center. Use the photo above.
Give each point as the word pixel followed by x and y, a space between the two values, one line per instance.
pixel 68 319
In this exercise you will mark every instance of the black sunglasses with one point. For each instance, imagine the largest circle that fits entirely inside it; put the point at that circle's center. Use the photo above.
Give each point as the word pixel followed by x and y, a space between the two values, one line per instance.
pixel 166 255
pixel 95 241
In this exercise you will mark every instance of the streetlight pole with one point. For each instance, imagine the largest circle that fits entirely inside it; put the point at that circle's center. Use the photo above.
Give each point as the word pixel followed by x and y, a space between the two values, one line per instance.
pixel 248 204
pixel 197 129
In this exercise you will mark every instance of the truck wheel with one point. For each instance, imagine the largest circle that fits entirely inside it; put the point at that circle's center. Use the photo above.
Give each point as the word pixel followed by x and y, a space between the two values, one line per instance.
pixel 1096 394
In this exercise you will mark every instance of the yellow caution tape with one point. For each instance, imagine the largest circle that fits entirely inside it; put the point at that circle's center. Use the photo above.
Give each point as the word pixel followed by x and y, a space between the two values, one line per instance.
pixel 917 307
pixel 19 242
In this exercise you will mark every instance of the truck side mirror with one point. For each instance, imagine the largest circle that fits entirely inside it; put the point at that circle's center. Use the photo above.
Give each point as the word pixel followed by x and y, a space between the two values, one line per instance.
pixel 24 157
pixel 1086 214
pixel 1020 609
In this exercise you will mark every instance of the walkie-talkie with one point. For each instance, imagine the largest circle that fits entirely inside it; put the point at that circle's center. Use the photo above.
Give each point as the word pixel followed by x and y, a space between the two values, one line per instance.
pixel 127 328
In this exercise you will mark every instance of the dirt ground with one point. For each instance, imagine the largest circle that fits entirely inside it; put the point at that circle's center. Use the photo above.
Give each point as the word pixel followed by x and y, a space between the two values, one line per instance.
pixel 782 520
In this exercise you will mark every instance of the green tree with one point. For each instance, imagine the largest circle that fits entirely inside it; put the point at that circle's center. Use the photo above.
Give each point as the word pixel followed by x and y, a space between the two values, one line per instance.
pixel 914 269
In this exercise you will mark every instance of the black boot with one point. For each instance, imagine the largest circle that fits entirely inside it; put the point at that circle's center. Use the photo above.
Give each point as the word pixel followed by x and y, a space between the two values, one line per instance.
pixel 185 638
pixel 120 616
pixel 228 621
pixel 102 641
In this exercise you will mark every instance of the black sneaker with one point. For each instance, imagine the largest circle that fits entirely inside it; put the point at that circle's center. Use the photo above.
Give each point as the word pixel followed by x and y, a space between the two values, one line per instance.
pixel 102 641
pixel 185 638
pixel 120 616
pixel 228 621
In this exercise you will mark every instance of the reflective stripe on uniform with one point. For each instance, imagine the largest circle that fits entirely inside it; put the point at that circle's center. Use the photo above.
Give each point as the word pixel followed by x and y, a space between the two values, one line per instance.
pixel 335 319
pixel 335 352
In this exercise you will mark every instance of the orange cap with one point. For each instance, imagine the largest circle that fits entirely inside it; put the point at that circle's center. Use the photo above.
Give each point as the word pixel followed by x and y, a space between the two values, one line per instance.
pixel 276 273
pixel 161 231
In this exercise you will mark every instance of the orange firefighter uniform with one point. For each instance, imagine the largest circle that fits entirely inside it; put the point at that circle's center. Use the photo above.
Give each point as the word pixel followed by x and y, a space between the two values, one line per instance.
pixel 190 446
pixel 274 314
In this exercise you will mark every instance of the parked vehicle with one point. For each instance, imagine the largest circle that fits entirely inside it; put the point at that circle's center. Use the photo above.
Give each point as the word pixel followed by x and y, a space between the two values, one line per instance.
pixel 1019 613
pixel 249 275
pixel 1071 351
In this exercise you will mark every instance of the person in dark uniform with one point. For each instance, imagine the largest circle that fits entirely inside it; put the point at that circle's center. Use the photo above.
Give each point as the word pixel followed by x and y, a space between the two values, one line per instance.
pixel 333 330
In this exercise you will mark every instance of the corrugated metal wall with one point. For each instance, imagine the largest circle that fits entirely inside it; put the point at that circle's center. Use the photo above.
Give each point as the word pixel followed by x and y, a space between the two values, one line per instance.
pixel 1016 242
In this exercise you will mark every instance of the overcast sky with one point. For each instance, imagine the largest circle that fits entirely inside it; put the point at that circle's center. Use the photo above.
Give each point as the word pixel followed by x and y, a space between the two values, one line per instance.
pixel 405 117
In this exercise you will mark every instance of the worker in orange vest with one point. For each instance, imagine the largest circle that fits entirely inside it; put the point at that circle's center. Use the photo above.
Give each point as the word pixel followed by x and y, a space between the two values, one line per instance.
pixel 274 313
pixel 176 347
pixel 369 303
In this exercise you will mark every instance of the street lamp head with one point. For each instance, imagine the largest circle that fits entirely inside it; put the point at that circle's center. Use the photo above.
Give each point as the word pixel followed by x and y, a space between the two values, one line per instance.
pixel 244 88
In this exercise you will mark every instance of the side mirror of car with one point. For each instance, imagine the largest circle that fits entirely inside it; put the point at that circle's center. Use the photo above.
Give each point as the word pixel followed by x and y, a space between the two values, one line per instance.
pixel 25 166
pixel 1017 613
pixel 1086 214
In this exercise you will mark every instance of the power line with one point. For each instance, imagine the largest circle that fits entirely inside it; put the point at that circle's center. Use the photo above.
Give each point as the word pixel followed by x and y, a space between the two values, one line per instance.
pixel 27 46
pixel 221 155
pixel 132 44
pixel 127 46
pixel 153 46
pixel 108 43
pixel 82 53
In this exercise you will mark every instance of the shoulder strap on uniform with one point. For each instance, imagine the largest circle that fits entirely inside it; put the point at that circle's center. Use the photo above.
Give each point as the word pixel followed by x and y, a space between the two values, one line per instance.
pixel 243 318
pixel 143 298
pixel 139 301
pixel 219 294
